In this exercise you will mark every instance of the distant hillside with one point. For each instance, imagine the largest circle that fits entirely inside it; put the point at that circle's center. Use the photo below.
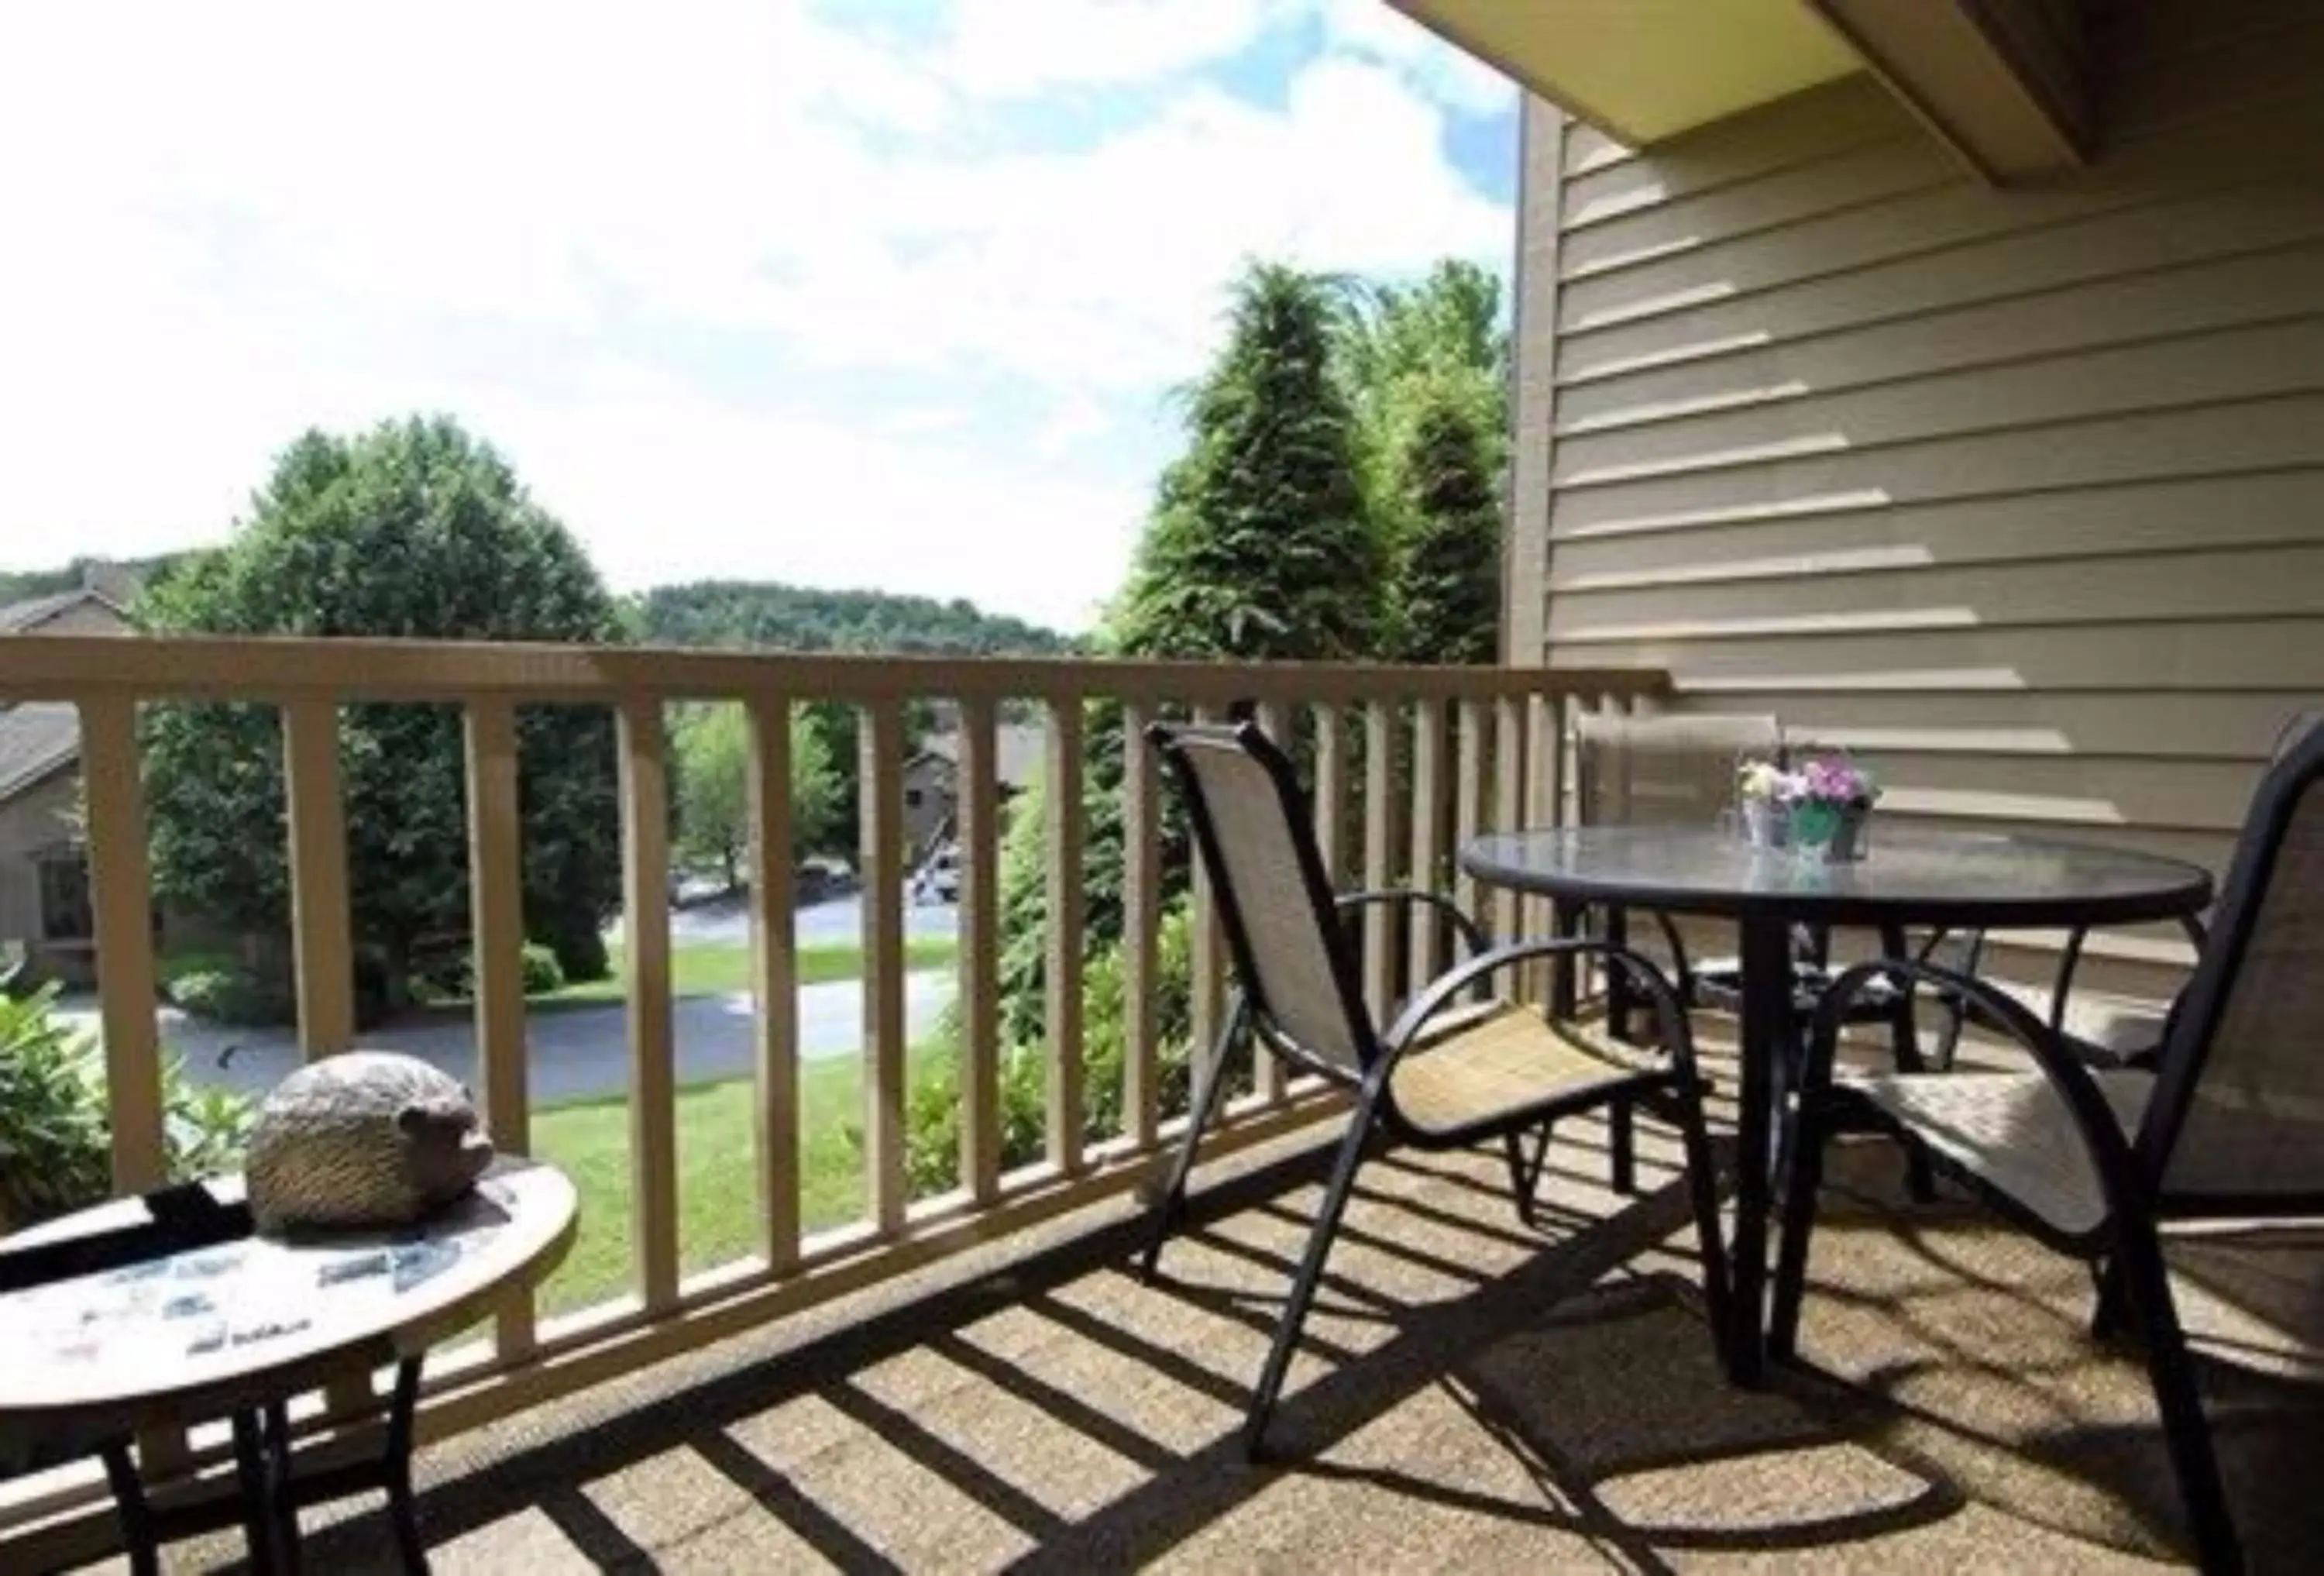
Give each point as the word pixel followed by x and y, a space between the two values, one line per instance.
pixel 796 618
pixel 717 612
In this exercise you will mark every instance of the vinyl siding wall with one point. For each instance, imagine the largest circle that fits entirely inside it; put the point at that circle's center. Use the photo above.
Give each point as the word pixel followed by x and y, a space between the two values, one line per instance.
pixel 2020 494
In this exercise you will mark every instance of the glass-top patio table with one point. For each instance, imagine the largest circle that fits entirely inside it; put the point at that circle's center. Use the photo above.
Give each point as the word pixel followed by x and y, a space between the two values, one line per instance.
pixel 1909 876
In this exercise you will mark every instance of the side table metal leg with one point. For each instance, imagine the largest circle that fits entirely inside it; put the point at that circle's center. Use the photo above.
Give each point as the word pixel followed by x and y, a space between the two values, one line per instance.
pixel 251 1477
pixel 137 1535
pixel 399 1509
pixel 281 1497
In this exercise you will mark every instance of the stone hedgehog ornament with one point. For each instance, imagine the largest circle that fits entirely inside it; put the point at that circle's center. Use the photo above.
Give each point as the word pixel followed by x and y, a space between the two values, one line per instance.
pixel 364 1138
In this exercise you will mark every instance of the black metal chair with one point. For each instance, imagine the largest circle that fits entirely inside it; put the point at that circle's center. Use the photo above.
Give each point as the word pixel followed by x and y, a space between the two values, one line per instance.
pixel 1449 1073
pixel 2229 1123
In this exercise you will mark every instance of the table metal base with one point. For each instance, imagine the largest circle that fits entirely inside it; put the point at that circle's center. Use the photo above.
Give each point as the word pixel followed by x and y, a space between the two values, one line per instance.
pixel 271 1493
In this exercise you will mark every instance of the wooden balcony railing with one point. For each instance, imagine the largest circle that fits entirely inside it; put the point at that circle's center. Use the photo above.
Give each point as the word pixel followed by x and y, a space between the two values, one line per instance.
pixel 1468 747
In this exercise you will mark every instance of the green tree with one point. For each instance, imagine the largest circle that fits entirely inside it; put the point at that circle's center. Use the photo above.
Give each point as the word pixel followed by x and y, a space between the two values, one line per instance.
pixel 1426 368
pixel 412 529
pixel 1444 587
pixel 714 809
pixel 1257 548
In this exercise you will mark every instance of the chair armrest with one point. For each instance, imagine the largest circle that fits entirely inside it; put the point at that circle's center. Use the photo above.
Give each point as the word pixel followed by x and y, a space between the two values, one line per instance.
pixel 1677 1037
pixel 2102 1137
pixel 1469 930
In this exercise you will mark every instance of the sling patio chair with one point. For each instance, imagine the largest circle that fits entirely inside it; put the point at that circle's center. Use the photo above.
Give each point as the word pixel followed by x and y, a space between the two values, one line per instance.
pixel 2114 1032
pixel 2229 1123
pixel 1452 1071
pixel 1683 770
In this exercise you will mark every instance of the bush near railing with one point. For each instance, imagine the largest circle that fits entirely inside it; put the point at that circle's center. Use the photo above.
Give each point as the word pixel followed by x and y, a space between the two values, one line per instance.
pixel 932 1116
pixel 55 1130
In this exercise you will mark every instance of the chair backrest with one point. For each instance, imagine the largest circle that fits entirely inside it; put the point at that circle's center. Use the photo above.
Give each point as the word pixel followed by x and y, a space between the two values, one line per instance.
pixel 2238 1111
pixel 1664 771
pixel 1254 836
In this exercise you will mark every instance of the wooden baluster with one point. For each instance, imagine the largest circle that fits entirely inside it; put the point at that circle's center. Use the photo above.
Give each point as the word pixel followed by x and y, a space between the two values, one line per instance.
pixel 645 918
pixel 980 952
pixel 774 982
pixel 496 953
pixel 1062 973
pixel 322 947
pixel 121 897
pixel 882 794
pixel 1332 792
pixel 1509 801
pixel 1381 927
pixel 1469 811
pixel 121 902
pixel 1545 786
pixel 1427 834
pixel 1142 900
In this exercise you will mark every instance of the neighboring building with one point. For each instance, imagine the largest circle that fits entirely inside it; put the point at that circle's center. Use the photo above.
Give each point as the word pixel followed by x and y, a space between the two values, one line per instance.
pixel 44 906
pixel 931 787
pixel 1949 381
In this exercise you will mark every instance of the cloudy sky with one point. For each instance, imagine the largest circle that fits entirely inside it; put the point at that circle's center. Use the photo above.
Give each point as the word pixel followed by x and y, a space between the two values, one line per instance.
pixel 878 293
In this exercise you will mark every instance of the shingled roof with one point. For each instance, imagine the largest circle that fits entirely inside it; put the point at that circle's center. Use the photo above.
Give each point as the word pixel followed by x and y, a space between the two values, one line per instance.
pixel 37 739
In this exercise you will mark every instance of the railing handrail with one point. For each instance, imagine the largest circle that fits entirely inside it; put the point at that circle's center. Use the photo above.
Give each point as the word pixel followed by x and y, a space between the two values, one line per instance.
pixel 311 667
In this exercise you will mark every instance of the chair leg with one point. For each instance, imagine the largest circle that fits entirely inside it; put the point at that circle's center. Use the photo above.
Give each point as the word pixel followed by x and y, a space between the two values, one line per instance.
pixel 1520 1188
pixel 1801 1185
pixel 1622 1145
pixel 1303 1288
pixel 2107 1311
pixel 2186 1433
pixel 1702 1191
pixel 1210 1082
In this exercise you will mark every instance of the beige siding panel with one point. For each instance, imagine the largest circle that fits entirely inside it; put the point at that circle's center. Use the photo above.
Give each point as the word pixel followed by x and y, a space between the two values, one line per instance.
pixel 2225 364
pixel 2268 287
pixel 2077 790
pixel 2276 654
pixel 1588 149
pixel 2266 582
pixel 2199 514
pixel 2241 726
pixel 2276 432
pixel 1711 268
pixel 2051 264
pixel 1801 130
pixel 1900 161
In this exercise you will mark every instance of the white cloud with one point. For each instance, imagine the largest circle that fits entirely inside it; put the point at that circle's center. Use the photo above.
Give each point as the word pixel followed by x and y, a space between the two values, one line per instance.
pixel 738 290
pixel 1374 30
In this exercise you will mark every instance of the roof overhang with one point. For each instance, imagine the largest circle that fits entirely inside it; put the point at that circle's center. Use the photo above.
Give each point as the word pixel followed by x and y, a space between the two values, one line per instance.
pixel 1647 70
pixel 2008 84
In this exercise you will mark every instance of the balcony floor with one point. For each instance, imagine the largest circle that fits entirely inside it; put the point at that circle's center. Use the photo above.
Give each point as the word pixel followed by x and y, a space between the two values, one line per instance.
pixel 1474 1397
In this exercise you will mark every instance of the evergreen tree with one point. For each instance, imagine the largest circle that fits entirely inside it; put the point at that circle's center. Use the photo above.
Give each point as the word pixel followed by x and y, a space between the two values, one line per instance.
pixel 1257 549
pixel 1444 579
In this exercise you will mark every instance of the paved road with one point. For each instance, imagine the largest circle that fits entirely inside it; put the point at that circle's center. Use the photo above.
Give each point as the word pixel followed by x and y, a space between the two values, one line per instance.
pixel 577 1053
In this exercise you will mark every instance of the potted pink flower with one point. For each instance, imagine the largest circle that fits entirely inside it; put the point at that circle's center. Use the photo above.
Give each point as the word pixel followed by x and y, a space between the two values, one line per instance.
pixel 1832 799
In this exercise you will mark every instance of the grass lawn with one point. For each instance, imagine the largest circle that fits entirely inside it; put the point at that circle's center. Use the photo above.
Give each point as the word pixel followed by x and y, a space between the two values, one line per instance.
pixel 714 968
pixel 717 1197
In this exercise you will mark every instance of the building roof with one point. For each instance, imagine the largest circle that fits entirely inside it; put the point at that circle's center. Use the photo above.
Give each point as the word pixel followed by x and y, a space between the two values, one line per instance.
pixel 16 618
pixel 37 739
pixel 1017 751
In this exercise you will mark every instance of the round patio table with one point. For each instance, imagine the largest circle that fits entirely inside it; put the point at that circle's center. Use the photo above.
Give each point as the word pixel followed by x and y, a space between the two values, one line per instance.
pixel 1908 877
pixel 165 1311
